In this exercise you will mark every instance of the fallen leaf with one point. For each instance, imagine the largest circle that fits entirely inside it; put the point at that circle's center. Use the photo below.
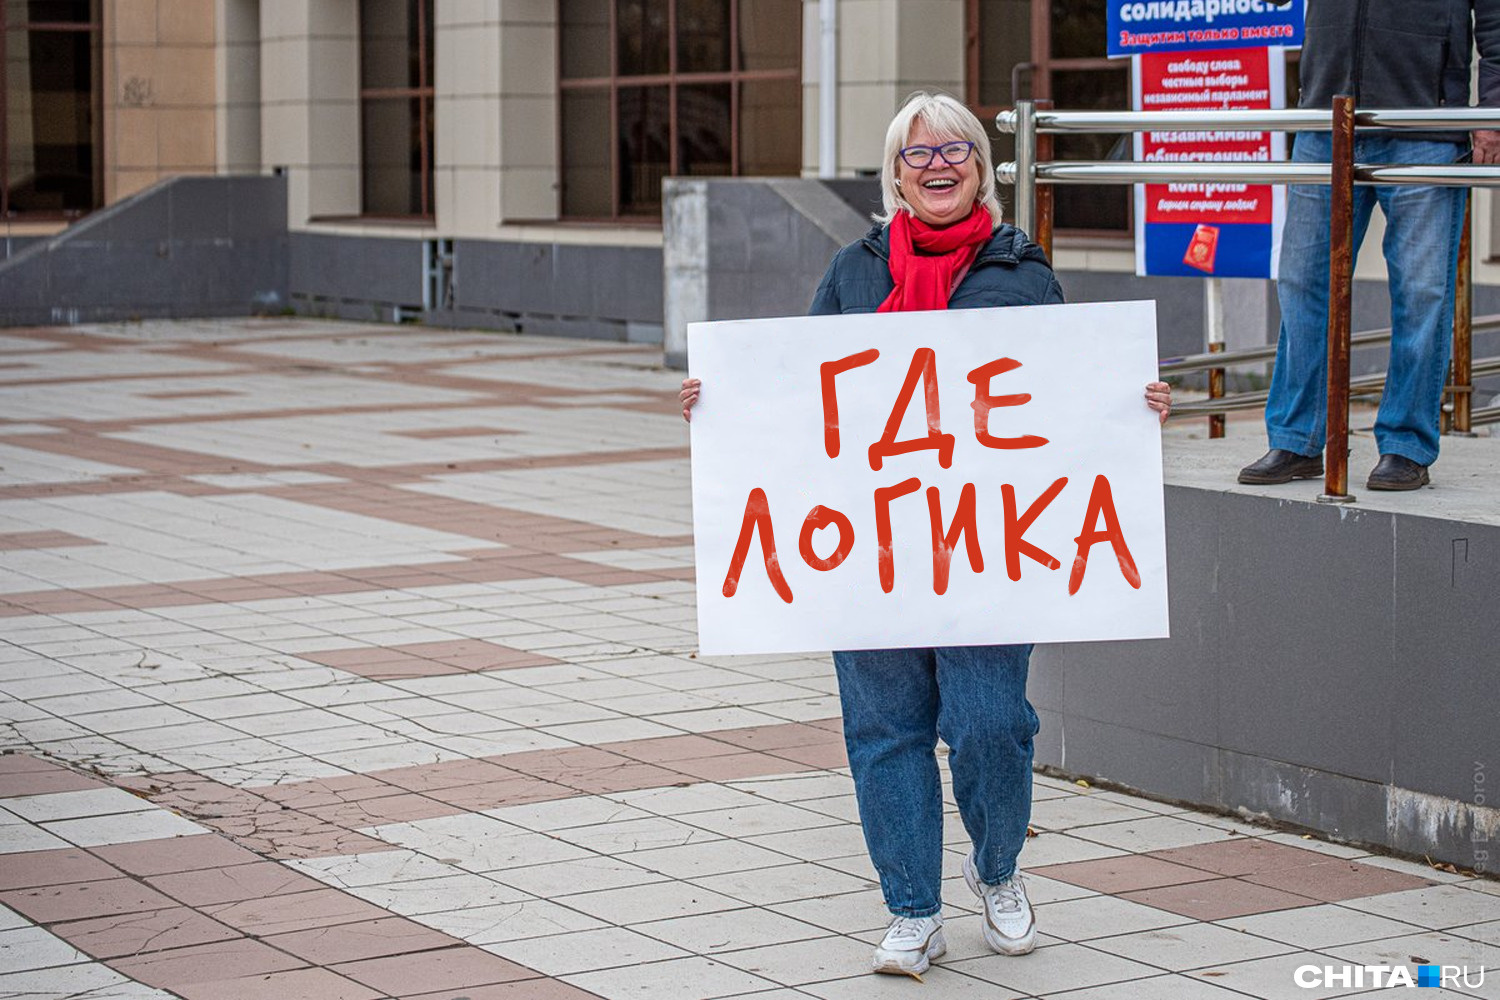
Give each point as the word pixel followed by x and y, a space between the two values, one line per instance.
pixel 1082 784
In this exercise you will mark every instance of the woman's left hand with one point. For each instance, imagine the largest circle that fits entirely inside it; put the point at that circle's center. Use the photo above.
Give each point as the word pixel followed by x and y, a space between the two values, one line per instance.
pixel 1159 398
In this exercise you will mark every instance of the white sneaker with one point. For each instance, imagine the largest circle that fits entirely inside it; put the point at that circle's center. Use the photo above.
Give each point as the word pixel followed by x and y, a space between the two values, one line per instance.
pixel 910 944
pixel 1009 926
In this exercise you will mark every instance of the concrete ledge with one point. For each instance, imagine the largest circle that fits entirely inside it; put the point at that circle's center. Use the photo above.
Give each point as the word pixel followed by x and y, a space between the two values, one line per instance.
pixel 189 246
pixel 1330 666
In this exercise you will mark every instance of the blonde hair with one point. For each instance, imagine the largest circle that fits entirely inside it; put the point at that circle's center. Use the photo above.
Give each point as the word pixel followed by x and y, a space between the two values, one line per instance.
pixel 946 118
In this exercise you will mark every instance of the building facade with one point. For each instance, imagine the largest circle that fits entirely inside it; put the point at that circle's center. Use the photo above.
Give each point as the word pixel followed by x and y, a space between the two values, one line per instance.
pixel 505 157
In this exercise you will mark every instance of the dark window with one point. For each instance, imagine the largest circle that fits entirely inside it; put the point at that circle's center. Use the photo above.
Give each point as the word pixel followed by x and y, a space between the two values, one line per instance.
pixel 1053 50
pixel 396 105
pixel 49 93
pixel 654 88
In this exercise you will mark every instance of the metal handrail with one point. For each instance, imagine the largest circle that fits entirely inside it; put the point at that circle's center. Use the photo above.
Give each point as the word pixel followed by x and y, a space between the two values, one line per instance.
pixel 1198 172
pixel 1250 355
pixel 1364 385
pixel 1342 121
pixel 1051 121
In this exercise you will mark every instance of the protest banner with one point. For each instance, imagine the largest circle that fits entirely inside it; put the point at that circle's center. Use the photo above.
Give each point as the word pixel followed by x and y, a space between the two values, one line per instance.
pixel 1139 26
pixel 962 477
pixel 1209 230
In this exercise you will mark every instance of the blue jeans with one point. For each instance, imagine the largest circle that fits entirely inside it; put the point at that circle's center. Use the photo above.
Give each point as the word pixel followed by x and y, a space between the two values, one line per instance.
pixel 897 702
pixel 1423 225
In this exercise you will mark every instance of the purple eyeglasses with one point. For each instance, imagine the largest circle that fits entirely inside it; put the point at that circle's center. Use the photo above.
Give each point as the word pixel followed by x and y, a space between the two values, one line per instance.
pixel 951 153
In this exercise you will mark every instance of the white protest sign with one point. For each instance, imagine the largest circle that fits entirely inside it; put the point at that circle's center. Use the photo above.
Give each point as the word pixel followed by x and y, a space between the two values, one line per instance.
pixel 973 476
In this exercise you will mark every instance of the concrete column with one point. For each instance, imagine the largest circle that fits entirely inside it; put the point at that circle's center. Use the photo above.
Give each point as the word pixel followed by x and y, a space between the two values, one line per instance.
pixel 237 71
pixel 309 86
pixel 529 110
pixel 467 154
pixel 159 93
pixel 887 49
pixel 684 251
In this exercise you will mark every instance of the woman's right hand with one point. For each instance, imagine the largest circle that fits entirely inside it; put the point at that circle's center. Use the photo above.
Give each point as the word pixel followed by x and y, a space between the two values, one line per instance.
pixel 689 395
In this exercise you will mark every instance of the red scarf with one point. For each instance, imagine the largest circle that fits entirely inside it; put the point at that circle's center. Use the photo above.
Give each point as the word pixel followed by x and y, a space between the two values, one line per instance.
pixel 926 281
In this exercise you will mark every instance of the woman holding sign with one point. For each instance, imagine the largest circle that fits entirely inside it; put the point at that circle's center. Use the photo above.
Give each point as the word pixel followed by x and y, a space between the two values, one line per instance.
pixel 940 244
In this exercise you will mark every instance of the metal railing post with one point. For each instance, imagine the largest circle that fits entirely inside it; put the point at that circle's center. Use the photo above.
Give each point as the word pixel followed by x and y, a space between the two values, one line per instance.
pixel 1043 196
pixel 1026 167
pixel 1460 419
pixel 1213 307
pixel 1340 288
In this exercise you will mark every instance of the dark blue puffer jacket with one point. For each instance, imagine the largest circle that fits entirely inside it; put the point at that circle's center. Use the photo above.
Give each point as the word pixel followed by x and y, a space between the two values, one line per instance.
pixel 1009 270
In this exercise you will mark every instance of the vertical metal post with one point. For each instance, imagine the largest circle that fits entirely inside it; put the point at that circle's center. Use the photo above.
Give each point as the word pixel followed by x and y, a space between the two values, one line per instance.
pixel 1043 193
pixel 1340 287
pixel 1463 327
pixel 1213 309
pixel 1026 167
pixel 828 89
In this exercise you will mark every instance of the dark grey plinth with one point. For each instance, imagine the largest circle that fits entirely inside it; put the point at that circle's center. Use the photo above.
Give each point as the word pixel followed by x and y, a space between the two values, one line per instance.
pixel 190 246
pixel 1332 667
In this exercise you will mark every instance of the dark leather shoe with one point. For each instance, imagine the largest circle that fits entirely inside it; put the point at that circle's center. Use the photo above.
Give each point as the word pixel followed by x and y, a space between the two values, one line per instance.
pixel 1279 466
pixel 1397 472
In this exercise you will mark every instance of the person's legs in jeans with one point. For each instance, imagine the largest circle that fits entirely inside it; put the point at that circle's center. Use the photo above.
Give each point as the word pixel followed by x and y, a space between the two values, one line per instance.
pixel 988 725
pixel 1423 226
pixel 890 703
pixel 1297 408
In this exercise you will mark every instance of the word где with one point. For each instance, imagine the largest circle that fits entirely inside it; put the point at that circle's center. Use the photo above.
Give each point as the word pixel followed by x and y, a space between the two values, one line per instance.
pixel 923 369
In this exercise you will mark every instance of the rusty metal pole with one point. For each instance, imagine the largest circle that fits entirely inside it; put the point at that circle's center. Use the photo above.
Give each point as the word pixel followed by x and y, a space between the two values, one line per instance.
pixel 1216 421
pixel 1340 288
pixel 1463 331
pixel 1213 325
pixel 1043 235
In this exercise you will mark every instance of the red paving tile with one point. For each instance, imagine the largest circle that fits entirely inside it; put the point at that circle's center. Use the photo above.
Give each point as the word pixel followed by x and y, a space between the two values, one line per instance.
pixel 450 969
pixel 529 989
pixel 1217 899
pixel 191 394
pixel 363 940
pixel 24 775
pixel 1333 879
pixel 512 792
pixel 141 933
pixel 233 884
pixel 298 984
pixel 668 749
pixel 624 778
pixel 1240 856
pixel 29 869
pixel 440 433
pixel 13 540
pixel 81 900
pixel 295 912
pixel 733 767
pixel 825 756
pixel 1122 874
pixel 779 737
pixel 180 854
pixel 449 774
pixel 404 808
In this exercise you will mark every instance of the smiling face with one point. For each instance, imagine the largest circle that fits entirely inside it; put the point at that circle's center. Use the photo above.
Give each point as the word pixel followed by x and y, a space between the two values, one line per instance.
pixel 938 193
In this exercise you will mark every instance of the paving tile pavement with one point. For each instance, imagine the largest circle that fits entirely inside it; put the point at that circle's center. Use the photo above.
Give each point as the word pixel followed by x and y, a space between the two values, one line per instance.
pixel 357 662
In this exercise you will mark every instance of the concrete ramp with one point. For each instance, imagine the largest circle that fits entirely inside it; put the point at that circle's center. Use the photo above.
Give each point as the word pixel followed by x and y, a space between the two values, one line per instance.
pixel 742 248
pixel 188 246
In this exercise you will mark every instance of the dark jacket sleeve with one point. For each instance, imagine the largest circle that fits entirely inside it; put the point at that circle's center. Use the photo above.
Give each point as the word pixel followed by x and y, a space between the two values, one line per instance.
pixel 826 299
pixel 1054 294
pixel 1487 39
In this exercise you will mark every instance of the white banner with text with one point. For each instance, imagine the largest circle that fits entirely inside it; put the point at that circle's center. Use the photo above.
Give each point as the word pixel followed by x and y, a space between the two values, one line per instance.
pixel 963 477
